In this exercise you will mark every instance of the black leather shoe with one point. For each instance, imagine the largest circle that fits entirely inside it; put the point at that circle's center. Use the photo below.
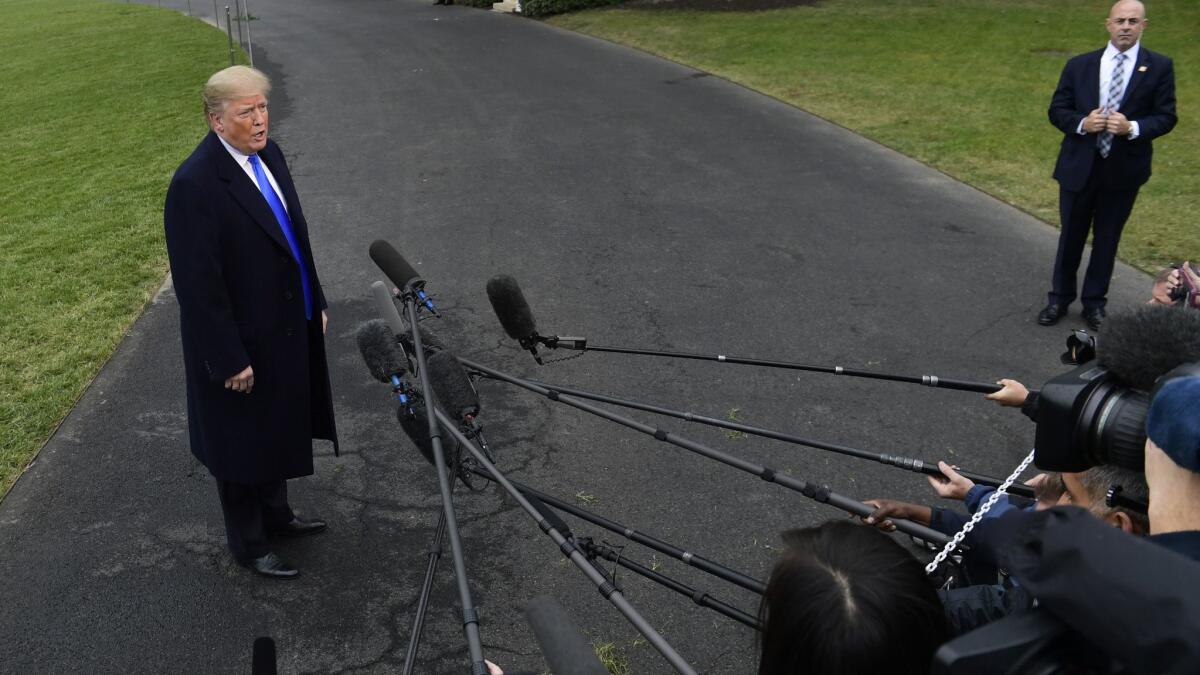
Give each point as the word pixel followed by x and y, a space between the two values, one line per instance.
pixel 1051 314
pixel 300 527
pixel 1094 316
pixel 272 567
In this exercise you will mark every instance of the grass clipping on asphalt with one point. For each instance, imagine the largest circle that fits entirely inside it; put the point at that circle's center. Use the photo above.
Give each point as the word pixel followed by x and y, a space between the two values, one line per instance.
pixel 100 103
pixel 961 85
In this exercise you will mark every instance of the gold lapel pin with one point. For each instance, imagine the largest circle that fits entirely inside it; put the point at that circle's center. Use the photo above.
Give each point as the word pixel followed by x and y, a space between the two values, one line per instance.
pixel 1143 69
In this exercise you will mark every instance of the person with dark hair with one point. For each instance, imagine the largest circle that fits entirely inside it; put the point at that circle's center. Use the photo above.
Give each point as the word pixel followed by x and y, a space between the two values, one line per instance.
pixel 844 598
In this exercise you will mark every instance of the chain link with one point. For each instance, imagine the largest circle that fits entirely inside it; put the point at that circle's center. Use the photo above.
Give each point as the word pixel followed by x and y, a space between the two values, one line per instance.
pixel 979 514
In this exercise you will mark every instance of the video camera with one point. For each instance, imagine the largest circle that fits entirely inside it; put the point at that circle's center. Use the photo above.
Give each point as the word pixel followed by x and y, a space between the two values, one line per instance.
pixel 1096 413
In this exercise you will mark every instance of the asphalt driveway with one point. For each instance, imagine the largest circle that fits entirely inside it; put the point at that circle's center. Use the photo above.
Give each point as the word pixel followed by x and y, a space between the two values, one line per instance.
pixel 640 203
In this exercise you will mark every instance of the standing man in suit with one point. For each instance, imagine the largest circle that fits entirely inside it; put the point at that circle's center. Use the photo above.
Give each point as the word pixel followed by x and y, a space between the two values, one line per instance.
pixel 252 318
pixel 1110 105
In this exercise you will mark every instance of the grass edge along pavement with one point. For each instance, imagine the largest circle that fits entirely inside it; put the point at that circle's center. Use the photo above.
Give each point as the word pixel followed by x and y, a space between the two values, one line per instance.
pixel 101 102
pixel 959 85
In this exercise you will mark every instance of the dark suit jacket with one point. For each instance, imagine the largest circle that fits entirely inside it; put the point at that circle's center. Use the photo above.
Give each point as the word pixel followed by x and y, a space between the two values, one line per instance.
pixel 241 303
pixel 1149 101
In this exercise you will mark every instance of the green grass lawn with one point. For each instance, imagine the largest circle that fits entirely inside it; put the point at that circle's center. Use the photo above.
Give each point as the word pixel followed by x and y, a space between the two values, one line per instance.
pixel 100 102
pixel 962 85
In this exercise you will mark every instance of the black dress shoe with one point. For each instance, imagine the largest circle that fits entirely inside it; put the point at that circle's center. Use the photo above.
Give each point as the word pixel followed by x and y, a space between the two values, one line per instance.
pixel 1094 316
pixel 272 567
pixel 300 527
pixel 1051 314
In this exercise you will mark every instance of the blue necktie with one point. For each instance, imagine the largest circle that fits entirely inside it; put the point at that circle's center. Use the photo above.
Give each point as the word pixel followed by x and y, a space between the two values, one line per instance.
pixel 285 224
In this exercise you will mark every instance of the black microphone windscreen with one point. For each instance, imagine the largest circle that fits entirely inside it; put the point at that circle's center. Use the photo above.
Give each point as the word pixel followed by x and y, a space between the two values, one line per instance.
pixel 1140 346
pixel 263 661
pixel 380 351
pixel 392 263
pixel 509 304
pixel 567 652
pixel 452 385
pixel 386 304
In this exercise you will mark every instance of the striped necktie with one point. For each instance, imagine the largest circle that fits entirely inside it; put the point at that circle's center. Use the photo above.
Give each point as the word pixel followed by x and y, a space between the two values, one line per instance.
pixel 1112 101
pixel 285 224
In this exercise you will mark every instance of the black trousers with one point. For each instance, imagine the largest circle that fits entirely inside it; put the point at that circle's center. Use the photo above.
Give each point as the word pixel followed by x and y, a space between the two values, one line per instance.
pixel 251 511
pixel 1102 211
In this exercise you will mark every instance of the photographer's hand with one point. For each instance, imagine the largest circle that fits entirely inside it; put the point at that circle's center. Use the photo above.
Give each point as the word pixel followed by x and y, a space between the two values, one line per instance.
pixel 953 486
pixel 1012 395
pixel 887 508
pixel 1164 285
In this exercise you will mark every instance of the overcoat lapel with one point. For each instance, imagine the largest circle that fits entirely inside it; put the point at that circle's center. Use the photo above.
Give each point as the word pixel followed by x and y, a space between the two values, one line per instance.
pixel 246 193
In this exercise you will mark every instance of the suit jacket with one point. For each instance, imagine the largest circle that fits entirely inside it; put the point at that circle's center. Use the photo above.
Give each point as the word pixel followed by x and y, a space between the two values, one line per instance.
pixel 241 304
pixel 1149 100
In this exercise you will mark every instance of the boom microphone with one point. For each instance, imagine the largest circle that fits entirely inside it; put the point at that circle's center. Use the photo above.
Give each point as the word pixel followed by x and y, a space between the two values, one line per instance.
pixel 379 350
pixel 567 652
pixel 399 271
pixel 393 264
pixel 513 312
pixel 1140 346
pixel 452 386
pixel 386 304
pixel 263 661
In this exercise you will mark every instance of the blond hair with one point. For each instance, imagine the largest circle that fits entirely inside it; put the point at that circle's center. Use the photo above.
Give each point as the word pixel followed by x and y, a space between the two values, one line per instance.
pixel 233 82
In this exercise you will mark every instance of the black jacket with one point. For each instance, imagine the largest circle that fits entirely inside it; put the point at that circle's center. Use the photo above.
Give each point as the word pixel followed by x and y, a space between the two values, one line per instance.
pixel 241 303
pixel 1135 598
pixel 1149 101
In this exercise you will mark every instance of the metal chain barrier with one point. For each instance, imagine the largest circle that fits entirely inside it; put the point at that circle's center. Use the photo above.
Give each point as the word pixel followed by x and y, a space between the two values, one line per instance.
pixel 979 514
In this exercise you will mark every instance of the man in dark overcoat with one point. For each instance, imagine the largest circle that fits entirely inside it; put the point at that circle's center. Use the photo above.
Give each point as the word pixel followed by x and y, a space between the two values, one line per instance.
pixel 1110 105
pixel 252 318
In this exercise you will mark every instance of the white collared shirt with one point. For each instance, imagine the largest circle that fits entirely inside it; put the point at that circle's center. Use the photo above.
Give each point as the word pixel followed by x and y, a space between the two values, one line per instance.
pixel 1108 62
pixel 243 161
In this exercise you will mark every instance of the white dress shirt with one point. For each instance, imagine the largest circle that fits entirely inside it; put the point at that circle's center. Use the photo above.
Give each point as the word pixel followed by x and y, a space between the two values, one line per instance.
pixel 244 162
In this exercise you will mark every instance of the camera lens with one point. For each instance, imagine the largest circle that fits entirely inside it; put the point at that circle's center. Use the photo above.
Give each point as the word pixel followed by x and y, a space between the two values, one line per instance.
pixel 1119 430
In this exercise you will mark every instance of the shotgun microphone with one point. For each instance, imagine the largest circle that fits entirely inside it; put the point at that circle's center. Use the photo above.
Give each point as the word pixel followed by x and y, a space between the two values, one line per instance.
pixel 453 387
pixel 567 652
pixel 386 303
pixel 513 312
pixel 383 356
pixel 399 271
pixel 263 661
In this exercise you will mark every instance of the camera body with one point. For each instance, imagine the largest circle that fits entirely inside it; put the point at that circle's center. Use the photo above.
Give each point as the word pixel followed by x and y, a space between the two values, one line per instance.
pixel 1086 418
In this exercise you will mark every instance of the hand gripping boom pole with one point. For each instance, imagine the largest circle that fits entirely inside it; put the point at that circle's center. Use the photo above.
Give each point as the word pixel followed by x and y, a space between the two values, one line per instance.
pixel 572 551
pixel 816 492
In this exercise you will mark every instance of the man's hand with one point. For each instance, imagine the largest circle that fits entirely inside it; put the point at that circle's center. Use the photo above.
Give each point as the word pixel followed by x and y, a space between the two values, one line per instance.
pixel 324 321
pixel 1160 293
pixel 243 381
pixel 1117 124
pixel 953 486
pixel 887 508
pixel 1012 395
pixel 1096 121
